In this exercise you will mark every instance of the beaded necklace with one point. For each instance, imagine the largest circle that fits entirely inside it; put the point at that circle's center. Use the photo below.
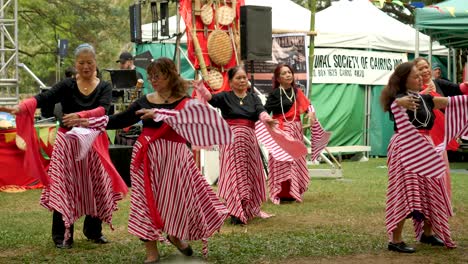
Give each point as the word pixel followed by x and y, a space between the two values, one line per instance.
pixel 282 90
pixel 426 112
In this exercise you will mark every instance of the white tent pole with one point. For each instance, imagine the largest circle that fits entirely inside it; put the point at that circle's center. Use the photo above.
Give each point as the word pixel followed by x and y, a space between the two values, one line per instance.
pixel 449 64
pixel 454 62
pixel 416 43
pixel 177 50
pixel 430 50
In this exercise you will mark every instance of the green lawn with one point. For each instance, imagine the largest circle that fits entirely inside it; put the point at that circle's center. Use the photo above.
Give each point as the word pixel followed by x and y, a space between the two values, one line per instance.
pixel 340 221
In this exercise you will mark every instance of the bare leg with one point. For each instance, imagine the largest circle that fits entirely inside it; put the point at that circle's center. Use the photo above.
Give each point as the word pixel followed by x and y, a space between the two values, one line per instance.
pixel 427 228
pixel 152 253
pixel 397 238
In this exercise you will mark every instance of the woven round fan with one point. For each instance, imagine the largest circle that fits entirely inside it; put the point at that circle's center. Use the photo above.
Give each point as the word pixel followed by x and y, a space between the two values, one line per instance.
pixel 206 14
pixel 225 15
pixel 219 47
pixel 20 143
pixel 215 80
pixel 51 136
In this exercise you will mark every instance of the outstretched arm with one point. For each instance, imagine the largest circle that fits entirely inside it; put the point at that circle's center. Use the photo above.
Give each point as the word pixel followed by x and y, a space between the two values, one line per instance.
pixel 202 90
pixel 10 109
pixel 440 102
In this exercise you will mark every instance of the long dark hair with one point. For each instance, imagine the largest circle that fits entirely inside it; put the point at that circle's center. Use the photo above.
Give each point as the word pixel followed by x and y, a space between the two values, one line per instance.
pixel 396 84
pixel 166 67
pixel 277 73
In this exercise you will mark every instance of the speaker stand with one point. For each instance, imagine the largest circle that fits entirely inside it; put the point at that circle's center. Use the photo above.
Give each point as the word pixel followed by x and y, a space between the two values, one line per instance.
pixel 252 71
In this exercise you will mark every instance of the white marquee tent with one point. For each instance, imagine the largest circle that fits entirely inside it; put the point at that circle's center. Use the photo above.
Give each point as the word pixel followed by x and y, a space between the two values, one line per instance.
pixel 359 24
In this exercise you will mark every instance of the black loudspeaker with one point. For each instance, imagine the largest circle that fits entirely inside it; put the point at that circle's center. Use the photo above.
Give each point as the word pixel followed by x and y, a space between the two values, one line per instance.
pixel 164 7
pixel 135 23
pixel 256 34
pixel 121 156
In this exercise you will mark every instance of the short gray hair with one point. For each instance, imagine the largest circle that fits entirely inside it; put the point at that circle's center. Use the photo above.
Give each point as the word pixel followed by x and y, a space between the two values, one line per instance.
pixel 85 47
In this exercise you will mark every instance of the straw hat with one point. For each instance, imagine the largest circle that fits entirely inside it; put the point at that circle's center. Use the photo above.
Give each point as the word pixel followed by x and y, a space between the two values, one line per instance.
pixel 225 15
pixel 219 47
pixel 215 80
pixel 206 14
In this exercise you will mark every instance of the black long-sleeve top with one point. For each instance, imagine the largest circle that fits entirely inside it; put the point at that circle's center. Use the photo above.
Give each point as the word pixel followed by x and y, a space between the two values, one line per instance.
pixel 129 116
pixel 447 88
pixel 421 113
pixel 230 106
pixel 273 103
pixel 72 100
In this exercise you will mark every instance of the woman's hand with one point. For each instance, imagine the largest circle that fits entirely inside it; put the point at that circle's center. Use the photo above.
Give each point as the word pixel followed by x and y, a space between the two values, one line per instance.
pixel 312 118
pixel 271 122
pixel 146 113
pixel 198 85
pixel 430 88
pixel 409 102
pixel 71 120
pixel 10 109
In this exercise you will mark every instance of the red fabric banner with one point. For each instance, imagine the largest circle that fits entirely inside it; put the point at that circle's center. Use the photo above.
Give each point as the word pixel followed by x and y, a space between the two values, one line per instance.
pixel 12 171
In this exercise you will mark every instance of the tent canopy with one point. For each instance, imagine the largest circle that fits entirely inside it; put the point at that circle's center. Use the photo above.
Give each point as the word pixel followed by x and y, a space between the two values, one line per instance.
pixel 359 24
pixel 446 22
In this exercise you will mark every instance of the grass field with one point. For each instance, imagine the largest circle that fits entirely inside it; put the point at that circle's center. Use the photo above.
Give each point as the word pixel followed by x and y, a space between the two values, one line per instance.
pixel 340 221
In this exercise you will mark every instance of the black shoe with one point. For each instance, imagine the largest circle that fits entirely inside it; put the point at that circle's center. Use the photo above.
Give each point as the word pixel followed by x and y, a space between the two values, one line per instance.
pixel 400 247
pixel 100 240
pixel 236 221
pixel 288 199
pixel 188 251
pixel 432 240
pixel 61 245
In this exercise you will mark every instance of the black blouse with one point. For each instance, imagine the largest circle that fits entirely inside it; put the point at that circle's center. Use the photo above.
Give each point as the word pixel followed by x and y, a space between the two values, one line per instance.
pixel 447 88
pixel 129 116
pixel 72 100
pixel 424 119
pixel 230 106
pixel 273 103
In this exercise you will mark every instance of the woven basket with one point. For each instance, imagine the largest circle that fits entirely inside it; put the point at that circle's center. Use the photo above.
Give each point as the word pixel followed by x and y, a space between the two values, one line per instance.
pixel 206 14
pixel 215 80
pixel 20 143
pixel 219 47
pixel 225 15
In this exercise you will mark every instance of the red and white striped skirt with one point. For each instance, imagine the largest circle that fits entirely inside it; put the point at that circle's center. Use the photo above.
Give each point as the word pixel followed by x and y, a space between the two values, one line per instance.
pixel 186 203
pixel 292 174
pixel 242 181
pixel 408 193
pixel 78 187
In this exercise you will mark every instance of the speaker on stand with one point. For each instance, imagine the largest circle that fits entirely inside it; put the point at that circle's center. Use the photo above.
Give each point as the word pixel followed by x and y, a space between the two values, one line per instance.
pixel 256 35
pixel 135 23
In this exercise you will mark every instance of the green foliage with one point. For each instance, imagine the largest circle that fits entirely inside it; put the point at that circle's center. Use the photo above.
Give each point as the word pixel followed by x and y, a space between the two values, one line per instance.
pixel 102 23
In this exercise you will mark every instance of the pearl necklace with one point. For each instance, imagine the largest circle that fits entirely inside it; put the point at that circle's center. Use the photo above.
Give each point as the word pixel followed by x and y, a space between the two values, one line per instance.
pixel 426 112
pixel 290 99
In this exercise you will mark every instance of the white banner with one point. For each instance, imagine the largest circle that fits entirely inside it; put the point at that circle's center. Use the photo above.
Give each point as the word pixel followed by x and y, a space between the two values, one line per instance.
pixel 354 66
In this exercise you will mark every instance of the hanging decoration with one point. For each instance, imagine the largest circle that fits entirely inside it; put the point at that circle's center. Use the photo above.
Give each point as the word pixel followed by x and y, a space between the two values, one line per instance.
pixel 212 39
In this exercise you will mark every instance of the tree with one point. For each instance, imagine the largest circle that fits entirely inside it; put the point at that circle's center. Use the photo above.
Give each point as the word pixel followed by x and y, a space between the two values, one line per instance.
pixel 102 23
